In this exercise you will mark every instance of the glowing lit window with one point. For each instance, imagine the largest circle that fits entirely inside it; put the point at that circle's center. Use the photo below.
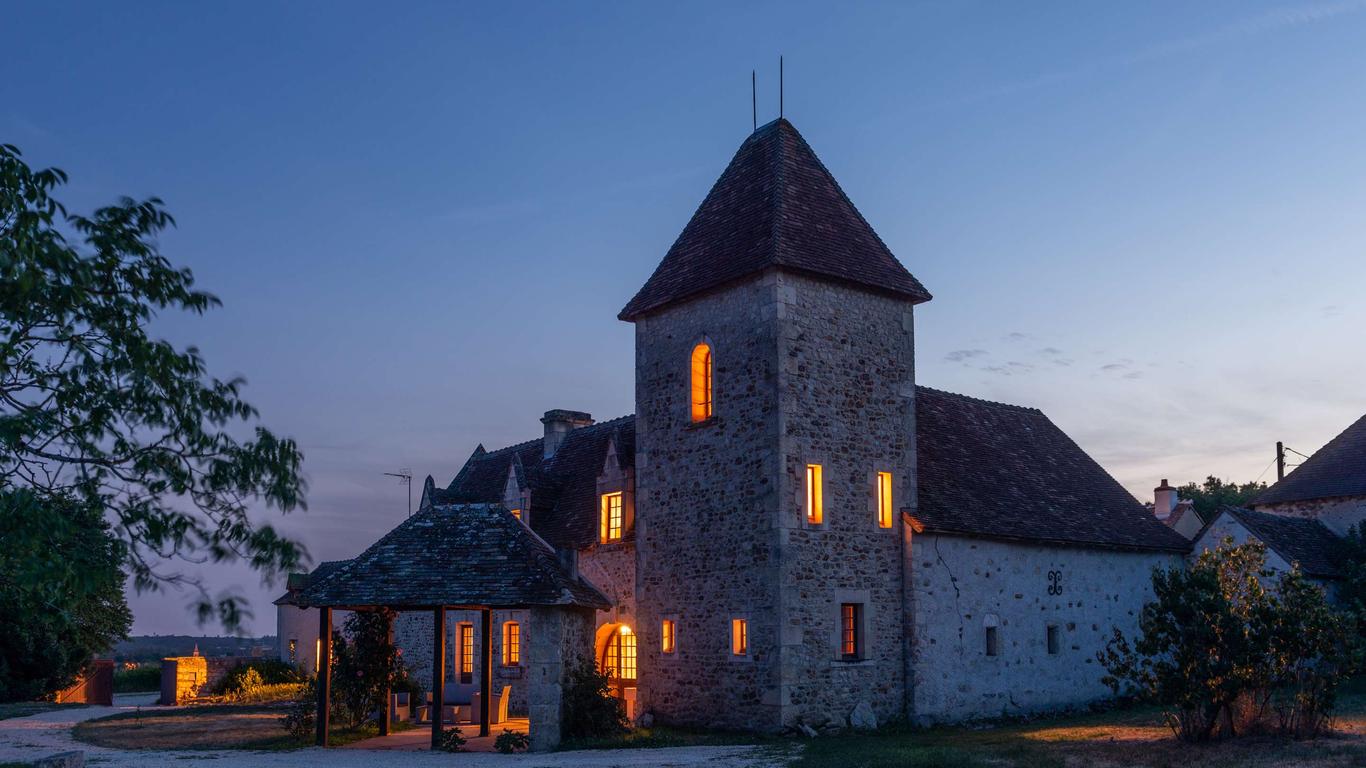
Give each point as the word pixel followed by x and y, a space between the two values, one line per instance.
pixel 701 383
pixel 619 658
pixel 884 499
pixel 815 513
pixel 666 636
pixel 517 513
pixel 512 644
pixel 739 637
pixel 612 517
pixel 293 651
pixel 851 645
pixel 466 666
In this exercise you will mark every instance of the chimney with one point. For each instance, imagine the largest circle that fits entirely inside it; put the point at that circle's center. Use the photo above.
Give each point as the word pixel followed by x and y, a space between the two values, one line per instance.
pixel 1164 500
pixel 558 423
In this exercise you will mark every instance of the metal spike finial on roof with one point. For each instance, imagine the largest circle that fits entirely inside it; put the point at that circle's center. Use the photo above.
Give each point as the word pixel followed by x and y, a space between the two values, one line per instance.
pixel 753 101
pixel 780 86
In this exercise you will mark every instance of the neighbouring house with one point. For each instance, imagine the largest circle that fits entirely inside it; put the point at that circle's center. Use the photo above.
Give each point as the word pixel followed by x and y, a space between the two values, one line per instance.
pixel 1303 517
pixel 296 626
pixel 790 530
pixel 1177 513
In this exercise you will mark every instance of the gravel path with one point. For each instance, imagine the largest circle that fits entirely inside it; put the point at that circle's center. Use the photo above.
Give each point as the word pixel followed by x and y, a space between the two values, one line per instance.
pixel 47 733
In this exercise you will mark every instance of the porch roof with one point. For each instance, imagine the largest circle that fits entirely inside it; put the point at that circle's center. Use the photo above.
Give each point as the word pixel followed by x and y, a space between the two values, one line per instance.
pixel 453 555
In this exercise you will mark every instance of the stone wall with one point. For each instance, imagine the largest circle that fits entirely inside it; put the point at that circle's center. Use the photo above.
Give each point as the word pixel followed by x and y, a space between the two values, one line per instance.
pixel 1339 514
pixel 562 637
pixel 706 510
pixel 612 569
pixel 846 385
pixel 962 585
pixel 301 626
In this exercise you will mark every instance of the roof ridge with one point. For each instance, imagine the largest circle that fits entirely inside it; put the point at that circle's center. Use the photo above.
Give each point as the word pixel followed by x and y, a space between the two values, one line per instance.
pixel 980 400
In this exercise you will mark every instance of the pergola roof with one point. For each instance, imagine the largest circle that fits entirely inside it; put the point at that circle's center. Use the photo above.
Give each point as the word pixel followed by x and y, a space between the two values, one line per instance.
pixel 453 555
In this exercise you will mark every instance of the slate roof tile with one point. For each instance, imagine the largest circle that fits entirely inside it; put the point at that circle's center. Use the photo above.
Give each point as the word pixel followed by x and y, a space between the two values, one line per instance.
pixel 1336 469
pixel 1298 540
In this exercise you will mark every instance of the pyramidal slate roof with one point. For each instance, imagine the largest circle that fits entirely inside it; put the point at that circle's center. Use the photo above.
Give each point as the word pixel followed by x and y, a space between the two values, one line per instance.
pixel 563 487
pixel 1336 469
pixel 324 569
pixel 1003 471
pixel 453 555
pixel 775 206
pixel 1299 540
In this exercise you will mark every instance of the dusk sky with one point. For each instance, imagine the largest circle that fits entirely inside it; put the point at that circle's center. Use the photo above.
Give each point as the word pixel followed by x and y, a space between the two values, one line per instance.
pixel 422 219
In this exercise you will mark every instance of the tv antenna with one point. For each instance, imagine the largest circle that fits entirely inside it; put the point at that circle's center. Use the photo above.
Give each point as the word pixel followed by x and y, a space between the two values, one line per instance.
pixel 753 101
pixel 405 476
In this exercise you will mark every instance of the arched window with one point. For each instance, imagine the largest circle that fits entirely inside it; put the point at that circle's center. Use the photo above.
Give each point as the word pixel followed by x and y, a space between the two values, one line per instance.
pixel 701 382
pixel 619 657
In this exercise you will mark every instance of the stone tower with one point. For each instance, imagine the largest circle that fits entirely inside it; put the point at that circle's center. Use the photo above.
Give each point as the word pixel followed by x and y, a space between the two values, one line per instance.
pixel 775 386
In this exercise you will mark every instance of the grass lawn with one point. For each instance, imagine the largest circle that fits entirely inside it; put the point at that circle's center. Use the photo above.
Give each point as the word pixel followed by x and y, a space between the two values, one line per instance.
pixel 208 727
pixel 26 708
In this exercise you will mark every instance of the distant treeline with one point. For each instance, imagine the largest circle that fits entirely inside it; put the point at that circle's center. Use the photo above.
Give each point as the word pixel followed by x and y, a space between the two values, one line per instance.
pixel 155 647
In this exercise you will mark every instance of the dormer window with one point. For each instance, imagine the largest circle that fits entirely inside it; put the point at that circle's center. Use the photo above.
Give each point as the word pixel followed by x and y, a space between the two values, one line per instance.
pixel 701 396
pixel 613 517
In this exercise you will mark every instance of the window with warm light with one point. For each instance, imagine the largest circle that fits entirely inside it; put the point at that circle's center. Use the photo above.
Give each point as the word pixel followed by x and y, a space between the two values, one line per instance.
pixel 739 637
pixel 815 513
pixel 666 636
pixel 701 398
pixel 619 658
pixel 613 517
pixel 512 644
pixel 517 513
pixel 851 642
pixel 466 666
pixel 884 499
pixel 293 651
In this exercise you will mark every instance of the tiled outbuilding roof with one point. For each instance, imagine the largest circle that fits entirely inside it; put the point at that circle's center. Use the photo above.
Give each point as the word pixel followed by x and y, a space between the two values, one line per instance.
pixel 775 206
pixel 1003 471
pixel 563 487
pixel 1336 469
pixel 1298 540
pixel 454 555
pixel 324 569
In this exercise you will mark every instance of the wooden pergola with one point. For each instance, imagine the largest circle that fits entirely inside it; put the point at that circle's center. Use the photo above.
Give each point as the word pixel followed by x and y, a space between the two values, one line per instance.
pixel 467 557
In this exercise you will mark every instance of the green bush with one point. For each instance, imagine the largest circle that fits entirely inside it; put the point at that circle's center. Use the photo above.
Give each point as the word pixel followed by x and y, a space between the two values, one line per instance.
pixel 265 671
pixel 451 740
pixel 590 709
pixel 145 677
pixel 511 741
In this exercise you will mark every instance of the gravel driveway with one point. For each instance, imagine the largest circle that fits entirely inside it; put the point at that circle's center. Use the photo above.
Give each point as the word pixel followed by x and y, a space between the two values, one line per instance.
pixel 29 738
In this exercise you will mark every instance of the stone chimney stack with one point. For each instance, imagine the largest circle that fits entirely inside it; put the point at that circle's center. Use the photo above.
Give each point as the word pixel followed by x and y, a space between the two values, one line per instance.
pixel 558 423
pixel 1164 500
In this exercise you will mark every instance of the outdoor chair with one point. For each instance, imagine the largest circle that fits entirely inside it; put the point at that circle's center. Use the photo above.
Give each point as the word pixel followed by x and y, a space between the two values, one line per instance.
pixel 498 708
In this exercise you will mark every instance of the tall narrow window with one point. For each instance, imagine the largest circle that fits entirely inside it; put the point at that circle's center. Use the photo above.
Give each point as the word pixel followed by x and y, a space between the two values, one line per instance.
pixel 739 637
pixel 815 514
pixel 466 666
pixel 993 642
pixel 612 517
pixel 701 398
pixel 666 636
pixel 851 644
pixel 293 651
pixel 884 499
pixel 512 644
pixel 1054 641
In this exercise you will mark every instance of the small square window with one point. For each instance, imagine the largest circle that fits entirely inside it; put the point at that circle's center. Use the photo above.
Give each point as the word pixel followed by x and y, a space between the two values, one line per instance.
pixel 993 642
pixel 1054 640
pixel 667 639
pixel 739 637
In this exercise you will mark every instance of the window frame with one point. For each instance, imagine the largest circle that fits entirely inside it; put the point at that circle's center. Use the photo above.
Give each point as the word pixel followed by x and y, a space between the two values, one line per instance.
pixel 702 382
pixel 993 641
pixel 885 498
pixel 605 523
pixel 813 494
pixel 851 632
pixel 464 664
pixel 1053 639
pixel 668 637
pixel 740 640
pixel 512 643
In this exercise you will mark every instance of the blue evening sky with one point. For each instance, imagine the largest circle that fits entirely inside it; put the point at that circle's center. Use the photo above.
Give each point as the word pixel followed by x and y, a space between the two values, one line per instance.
pixel 1146 219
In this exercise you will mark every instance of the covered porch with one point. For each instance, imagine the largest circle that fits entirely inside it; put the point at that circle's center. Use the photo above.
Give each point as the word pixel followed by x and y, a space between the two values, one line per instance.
pixel 468 557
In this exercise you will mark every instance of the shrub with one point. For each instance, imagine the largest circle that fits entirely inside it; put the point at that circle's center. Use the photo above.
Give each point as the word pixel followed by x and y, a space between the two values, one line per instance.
pixel 590 710
pixel 511 741
pixel 301 718
pixel 144 677
pixel 451 740
pixel 1221 651
pixel 365 663
pixel 264 671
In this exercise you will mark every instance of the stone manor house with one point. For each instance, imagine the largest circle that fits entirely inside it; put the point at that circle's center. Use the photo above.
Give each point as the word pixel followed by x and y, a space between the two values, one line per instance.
pixel 789 530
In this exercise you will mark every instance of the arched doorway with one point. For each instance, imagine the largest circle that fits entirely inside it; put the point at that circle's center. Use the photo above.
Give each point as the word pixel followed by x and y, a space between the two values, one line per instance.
pixel 617 658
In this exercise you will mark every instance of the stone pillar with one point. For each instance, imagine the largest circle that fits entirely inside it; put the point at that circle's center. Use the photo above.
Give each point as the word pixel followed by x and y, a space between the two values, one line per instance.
pixel 557 637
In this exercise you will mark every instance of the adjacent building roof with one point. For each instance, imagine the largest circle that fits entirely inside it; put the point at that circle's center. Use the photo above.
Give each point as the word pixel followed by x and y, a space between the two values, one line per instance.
pixel 1003 471
pixel 1298 540
pixel 1336 469
pixel 563 487
pixel 775 206
pixel 298 581
pixel 453 555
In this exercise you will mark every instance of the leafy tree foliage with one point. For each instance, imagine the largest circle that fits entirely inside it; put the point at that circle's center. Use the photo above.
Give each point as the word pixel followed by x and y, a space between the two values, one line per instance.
pixel 365 663
pixel 96 412
pixel 61 592
pixel 1226 644
pixel 589 708
pixel 1214 493
pixel 1351 593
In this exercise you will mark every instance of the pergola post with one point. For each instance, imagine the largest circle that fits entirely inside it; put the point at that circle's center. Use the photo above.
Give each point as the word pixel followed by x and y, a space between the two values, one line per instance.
pixel 324 670
pixel 438 673
pixel 486 671
pixel 387 711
